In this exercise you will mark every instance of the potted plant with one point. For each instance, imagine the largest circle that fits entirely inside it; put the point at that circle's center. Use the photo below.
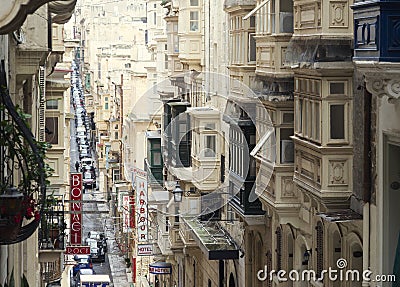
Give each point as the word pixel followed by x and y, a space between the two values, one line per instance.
pixel 22 172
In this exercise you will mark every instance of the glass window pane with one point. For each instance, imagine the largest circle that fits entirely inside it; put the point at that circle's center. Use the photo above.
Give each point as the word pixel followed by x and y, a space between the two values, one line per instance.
pixel 52 104
pixel 337 121
pixel 194 2
pixel 336 88
pixel 182 132
pixel 51 130
pixel 210 146
pixel 156 158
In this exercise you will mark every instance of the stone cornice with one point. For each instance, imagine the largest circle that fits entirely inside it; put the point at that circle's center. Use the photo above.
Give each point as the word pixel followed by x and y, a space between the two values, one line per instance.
pixel 14 12
pixel 382 79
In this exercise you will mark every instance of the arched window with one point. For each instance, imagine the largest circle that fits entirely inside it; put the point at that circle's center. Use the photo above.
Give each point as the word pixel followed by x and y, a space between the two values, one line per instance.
pixel 278 248
pixel 320 248
pixel 209 282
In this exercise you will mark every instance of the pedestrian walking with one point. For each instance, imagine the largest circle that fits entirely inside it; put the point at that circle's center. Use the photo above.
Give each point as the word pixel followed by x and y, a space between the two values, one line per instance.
pixel 77 166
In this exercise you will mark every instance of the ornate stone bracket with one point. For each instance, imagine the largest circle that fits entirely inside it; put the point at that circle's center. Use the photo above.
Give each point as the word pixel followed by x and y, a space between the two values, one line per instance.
pixel 382 79
pixel 384 86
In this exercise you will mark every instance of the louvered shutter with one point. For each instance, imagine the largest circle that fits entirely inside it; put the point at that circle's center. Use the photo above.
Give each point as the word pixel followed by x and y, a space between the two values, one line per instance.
pixel 42 104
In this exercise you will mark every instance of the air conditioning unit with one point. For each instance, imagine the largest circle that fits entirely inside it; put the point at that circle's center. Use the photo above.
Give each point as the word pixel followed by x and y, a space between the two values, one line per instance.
pixel 286 22
pixel 287 151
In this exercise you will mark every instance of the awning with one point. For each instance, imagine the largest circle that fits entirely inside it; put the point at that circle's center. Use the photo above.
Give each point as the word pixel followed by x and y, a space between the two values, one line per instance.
pixel 258 7
pixel 212 240
pixel 340 216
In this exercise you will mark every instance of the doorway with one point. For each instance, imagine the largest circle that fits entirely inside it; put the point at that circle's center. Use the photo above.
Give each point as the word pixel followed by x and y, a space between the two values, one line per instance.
pixel 391 210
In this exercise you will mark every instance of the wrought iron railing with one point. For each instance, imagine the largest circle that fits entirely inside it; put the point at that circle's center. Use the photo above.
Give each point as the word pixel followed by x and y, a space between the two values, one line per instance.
pixel 22 172
pixel 52 225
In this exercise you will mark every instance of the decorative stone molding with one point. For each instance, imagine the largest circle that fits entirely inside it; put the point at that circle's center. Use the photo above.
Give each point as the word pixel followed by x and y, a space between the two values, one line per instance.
pixel 382 78
pixel 382 85
pixel 14 12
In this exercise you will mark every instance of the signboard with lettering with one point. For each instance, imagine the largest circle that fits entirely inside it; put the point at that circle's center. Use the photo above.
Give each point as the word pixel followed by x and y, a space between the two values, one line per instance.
pixel 77 250
pixel 141 205
pixel 125 213
pixel 76 218
pixel 95 284
pixel 137 172
pixel 160 268
pixel 132 211
pixel 145 250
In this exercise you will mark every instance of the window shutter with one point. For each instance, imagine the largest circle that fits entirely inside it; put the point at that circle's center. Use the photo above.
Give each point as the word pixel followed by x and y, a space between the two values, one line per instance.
pixel 41 104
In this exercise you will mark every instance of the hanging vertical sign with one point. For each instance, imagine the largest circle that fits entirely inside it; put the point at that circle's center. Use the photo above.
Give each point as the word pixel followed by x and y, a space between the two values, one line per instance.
pixel 132 211
pixel 76 209
pixel 125 213
pixel 141 205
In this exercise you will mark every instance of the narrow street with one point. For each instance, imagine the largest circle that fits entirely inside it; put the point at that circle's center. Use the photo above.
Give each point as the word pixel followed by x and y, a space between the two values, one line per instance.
pixel 96 217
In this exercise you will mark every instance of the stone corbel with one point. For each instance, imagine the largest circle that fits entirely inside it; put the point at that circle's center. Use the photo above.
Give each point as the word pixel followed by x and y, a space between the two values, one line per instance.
pixel 384 84
pixel 382 78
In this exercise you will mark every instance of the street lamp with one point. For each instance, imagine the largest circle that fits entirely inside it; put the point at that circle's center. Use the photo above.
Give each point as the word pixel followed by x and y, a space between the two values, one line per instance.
pixel 177 192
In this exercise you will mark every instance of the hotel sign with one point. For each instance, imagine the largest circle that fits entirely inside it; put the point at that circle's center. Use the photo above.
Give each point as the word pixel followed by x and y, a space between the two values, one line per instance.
pixel 145 250
pixel 141 205
pixel 76 209
pixel 160 268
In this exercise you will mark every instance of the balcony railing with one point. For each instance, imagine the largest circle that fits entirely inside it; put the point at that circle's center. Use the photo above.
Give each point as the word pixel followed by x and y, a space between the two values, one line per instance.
pixel 22 174
pixel 52 226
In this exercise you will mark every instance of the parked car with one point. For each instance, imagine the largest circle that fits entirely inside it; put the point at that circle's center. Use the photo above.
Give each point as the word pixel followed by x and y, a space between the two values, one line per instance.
pixel 101 239
pixel 96 250
pixel 83 263
pixel 89 181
